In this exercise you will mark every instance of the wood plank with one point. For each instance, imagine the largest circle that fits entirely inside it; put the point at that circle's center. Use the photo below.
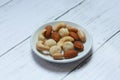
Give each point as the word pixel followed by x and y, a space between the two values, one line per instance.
pixel 20 18
pixel 22 65
pixel 104 64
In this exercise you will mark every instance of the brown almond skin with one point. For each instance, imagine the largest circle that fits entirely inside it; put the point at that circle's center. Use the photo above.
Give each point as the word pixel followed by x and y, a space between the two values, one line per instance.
pixel 48 31
pixel 70 54
pixel 55 36
pixel 72 29
pixel 78 45
pixel 74 35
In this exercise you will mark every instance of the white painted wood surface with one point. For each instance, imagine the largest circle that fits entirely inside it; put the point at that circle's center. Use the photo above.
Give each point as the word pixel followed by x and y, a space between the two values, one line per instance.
pixel 104 64
pixel 19 18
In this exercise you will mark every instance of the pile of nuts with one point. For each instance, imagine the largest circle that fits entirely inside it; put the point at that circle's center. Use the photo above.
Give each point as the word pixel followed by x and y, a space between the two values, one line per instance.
pixel 61 41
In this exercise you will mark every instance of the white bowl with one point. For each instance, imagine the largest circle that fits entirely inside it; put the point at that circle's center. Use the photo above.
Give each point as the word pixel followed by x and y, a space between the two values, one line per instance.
pixel 87 44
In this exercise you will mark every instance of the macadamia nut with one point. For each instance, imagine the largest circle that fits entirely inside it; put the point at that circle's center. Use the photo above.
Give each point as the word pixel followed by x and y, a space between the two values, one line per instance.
pixel 50 42
pixel 63 32
pixel 55 49
pixel 67 46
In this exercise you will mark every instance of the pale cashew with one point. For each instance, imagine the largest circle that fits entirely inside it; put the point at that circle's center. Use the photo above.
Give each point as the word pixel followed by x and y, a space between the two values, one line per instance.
pixel 81 35
pixel 45 52
pixel 63 32
pixel 41 35
pixel 40 46
pixel 68 45
pixel 55 49
pixel 50 42
pixel 58 26
pixel 63 39
pixel 58 56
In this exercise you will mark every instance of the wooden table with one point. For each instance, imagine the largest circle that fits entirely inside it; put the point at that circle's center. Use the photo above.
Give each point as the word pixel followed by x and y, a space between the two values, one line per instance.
pixel 20 18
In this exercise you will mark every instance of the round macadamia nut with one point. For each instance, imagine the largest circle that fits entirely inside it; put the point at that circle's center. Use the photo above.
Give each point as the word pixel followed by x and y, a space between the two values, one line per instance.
pixel 63 32
pixel 50 42
pixel 68 45
pixel 55 49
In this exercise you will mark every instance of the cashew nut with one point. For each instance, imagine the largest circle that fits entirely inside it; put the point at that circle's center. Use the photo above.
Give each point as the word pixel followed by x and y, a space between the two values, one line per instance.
pixel 50 42
pixel 58 56
pixel 58 26
pixel 55 49
pixel 81 35
pixel 68 45
pixel 40 46
pixel 41 35
pixel 63 32
pixel 45 52
pixel 63 39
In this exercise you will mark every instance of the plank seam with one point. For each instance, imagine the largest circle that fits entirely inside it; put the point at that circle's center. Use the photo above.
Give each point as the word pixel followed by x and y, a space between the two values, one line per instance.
pixel 69 10
pixel 14 46
pixel 5 3
pixel 108 40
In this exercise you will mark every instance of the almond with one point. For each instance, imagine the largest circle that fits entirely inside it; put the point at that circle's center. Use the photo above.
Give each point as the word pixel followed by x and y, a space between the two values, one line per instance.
pixel 78 45
pixel 70 54
pixel 55 36
pixel 74 35
pixel 48 31
pixel 72 29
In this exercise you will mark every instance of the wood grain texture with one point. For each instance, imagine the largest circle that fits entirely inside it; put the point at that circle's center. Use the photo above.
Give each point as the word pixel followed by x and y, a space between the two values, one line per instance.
pixel 102 22
pixel 104 64
pixel 4 2
pixel 20 18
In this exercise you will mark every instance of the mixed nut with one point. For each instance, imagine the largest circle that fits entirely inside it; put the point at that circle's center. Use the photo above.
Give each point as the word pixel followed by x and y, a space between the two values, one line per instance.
pixel 61 41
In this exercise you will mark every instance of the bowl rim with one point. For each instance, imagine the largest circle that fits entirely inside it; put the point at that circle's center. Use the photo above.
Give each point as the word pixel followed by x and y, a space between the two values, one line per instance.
pixel 64 60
